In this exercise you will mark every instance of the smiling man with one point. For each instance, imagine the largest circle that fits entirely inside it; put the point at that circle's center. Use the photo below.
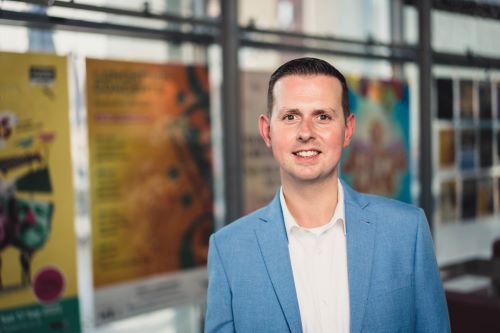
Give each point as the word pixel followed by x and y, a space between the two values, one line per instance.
pixel 321 257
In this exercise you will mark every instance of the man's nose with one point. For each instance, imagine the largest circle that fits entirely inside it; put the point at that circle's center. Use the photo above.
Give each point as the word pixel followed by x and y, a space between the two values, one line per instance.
pixel 305 131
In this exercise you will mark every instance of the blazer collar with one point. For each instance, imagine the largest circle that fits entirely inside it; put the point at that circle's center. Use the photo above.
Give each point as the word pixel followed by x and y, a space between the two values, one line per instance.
pixel 360 245
pixel 272 239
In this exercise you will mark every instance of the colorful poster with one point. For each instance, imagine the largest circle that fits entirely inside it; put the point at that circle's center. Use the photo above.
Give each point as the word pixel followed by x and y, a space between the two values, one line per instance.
pixel 377 160
pixel 485 110
pixel 261 172
pixel 448 201
pixel 467 100
pixel 447 148
pixel 469 200
pixel 151 185
pixel 444 93
pixel 38 279
pixel 468 153
pixel 485 203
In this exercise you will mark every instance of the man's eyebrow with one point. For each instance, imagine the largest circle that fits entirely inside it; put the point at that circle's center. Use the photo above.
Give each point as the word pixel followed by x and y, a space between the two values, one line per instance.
pixel 332 111
pixel 289 111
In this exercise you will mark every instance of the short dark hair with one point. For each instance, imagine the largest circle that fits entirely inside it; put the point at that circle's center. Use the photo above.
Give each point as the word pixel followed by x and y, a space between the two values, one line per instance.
pixel 308 66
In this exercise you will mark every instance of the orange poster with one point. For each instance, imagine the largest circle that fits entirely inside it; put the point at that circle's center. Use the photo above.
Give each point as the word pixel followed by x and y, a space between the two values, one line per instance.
pixel 150 176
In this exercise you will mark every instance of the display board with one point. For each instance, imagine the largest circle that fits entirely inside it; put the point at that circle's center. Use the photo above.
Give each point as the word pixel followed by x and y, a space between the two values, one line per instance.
pixel 468 150
pixel 377 160
pixel 38 280
pixel 151 185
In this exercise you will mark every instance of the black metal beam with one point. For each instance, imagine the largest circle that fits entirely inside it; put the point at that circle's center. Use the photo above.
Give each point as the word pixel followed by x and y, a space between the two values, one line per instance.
pixel 464 7
pixel 425 88
pixel 325 38
pixel 145 13
pixel 231 111
pixel 361 52
pixel 54 22
pixel 468 60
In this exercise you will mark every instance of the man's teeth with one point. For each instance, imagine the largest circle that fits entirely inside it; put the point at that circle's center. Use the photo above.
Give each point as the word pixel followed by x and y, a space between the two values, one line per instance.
pixel 307 153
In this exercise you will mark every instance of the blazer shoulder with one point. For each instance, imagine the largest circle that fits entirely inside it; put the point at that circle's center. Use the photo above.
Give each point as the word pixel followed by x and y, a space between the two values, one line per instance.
pixel 239 228
pixel 389 205
pixel 394 213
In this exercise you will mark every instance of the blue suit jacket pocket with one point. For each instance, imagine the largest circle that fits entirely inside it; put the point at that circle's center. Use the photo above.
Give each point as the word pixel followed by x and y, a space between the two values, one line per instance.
pixel 390 306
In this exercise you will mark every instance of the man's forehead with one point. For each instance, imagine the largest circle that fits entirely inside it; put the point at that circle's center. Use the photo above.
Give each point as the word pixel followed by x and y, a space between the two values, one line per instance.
pixel 330 83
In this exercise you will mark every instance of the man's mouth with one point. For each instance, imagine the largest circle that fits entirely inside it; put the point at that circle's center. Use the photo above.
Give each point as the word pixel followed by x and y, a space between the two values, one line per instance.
pixel 306 153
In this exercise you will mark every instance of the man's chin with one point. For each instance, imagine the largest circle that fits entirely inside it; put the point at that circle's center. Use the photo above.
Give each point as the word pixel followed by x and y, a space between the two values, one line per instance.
pixel 310 178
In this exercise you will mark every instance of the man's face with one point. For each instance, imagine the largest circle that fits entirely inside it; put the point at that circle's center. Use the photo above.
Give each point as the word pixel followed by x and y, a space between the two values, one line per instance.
pixel 307 129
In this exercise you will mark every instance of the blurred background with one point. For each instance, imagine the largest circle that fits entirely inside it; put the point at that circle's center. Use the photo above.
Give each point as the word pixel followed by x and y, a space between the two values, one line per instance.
pixel 128 134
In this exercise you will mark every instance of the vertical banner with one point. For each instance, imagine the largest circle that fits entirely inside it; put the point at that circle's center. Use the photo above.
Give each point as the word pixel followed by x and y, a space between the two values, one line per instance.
pixel 151 185
pixel 261 172
pixel 38 280
pixel 377 160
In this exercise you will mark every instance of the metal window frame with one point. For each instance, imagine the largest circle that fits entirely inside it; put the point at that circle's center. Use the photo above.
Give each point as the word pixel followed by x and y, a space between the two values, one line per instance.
pixel 226 32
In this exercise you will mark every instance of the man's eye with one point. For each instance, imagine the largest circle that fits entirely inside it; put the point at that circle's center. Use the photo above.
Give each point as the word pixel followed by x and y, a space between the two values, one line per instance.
pixel 324 117
pixel 290 117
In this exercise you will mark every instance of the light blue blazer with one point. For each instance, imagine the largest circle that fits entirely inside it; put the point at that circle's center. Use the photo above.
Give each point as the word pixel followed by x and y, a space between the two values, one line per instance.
pixel 394 283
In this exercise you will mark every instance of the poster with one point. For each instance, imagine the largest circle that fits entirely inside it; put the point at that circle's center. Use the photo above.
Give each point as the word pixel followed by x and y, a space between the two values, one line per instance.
pixel 485 100
pixel 466 100
pixel 498 194
pixel 468 151
pixel 446 148
pixel 486 147
pixel 469 200
pixel 485 197
pixel 498 100
pixel 261 177
pixel 448 201
pixel 444 98
pixel 151 185
pixel 377 160
pixel 38 279
pixel 498 145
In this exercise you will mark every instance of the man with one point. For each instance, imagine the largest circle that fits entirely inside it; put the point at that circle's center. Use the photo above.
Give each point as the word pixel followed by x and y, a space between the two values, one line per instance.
pixel 321 257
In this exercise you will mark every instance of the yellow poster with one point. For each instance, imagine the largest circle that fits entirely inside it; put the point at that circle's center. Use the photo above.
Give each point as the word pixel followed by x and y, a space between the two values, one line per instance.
pixel 38 283
pixel 150 170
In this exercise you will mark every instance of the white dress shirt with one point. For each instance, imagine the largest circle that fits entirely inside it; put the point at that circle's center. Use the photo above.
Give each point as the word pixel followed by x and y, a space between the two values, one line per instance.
pixel 319 264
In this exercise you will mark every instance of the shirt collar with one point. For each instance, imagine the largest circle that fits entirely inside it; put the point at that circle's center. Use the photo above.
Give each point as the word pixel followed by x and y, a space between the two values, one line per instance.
pixel 338 215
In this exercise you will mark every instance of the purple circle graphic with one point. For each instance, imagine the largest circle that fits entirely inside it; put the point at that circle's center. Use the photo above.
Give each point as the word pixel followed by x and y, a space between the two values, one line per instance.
pixel 48 285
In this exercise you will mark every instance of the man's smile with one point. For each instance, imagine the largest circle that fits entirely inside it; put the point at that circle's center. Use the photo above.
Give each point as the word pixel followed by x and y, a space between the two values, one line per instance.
pixel 307 153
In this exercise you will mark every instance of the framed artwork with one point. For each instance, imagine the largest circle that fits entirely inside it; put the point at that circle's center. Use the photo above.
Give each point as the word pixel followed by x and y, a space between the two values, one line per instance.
pixel 466 100
pixel 498 100
pixel 485 101
pixel 446 148
pixel 468 149
pixel 485 147
pixel 468 202
pixel 448 201
pixel 485 197
pixel 444 98
pixel 498 146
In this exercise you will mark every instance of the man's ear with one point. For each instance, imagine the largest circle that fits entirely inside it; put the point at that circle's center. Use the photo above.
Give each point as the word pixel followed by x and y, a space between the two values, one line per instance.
pixel 265 129
pixel 349 129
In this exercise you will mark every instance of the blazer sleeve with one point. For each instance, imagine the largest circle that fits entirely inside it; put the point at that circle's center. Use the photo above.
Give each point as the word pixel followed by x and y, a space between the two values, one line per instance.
pixel 219 315
pixel 431 309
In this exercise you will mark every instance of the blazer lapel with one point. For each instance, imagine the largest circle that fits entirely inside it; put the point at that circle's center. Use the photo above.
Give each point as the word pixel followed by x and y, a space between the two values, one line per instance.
pixel 273 242
pixel 360 244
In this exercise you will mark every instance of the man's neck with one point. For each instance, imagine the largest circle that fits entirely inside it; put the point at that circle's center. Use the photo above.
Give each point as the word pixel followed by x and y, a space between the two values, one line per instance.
pixel 312 204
